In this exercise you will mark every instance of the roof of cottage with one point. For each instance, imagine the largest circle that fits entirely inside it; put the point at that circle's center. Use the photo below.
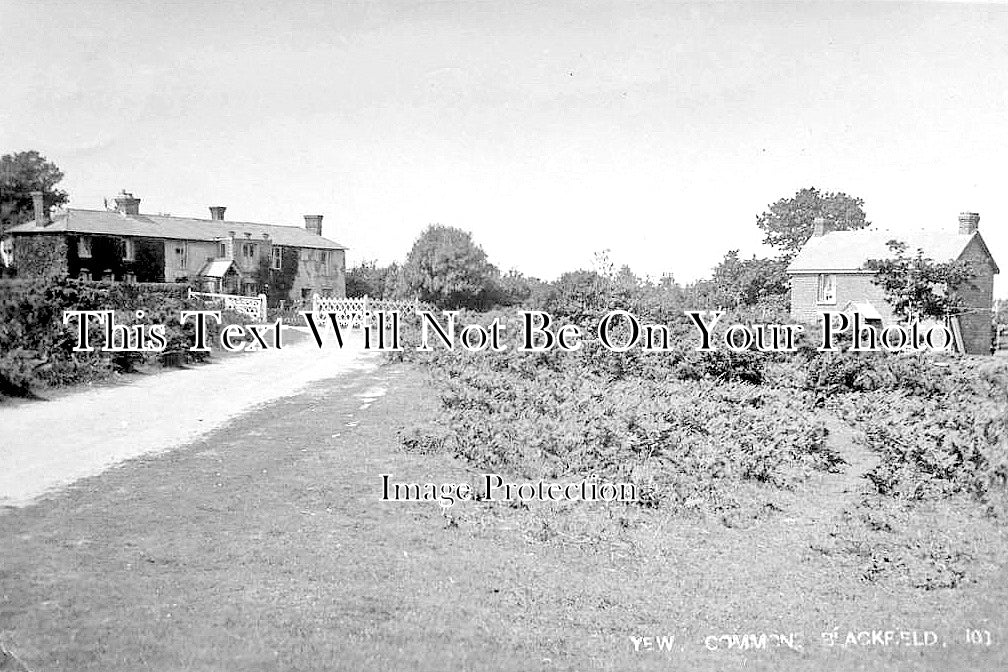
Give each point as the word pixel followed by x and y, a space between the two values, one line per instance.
pixel 851 250
pixel 113 223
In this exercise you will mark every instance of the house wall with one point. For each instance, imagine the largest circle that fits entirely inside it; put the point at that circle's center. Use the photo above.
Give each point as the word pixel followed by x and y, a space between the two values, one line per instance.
pixel 147 264
pixel 849 287
pixel 177 268
pixel 976 324
pixel 314 277
pixel 40 255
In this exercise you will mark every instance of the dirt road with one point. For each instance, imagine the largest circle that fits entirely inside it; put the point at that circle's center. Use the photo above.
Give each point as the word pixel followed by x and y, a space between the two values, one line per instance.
pixel 49 444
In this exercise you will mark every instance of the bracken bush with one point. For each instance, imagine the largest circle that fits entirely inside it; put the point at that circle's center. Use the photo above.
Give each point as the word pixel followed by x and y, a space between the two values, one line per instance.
pixel 36 347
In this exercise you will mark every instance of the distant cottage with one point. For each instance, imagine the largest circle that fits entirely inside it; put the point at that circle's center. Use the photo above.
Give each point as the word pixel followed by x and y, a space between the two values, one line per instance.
pixel 829 274
pixel 216 255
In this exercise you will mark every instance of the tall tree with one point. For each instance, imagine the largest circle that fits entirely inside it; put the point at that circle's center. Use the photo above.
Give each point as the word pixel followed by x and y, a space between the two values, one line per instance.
pixel 20 174
pixel 788 223
pixel 446 268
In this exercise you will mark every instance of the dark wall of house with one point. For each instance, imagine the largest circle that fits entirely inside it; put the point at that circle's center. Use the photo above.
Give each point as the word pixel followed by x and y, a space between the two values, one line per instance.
pixel 40 256
pixel 107 256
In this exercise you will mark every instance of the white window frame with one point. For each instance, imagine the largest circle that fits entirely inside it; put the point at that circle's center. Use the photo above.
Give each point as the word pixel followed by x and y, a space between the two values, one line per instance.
pixel 129 250
pixel 248 250
pixel 826 286
pixel 84 247
pixel 276 258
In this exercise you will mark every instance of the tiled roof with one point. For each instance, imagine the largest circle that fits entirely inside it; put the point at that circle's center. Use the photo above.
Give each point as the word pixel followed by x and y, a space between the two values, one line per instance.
pixel 851 250
pixel 110 222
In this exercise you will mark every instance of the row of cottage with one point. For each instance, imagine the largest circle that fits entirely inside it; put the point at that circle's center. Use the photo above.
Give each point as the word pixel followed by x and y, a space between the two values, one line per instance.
pixel 120 244
pixel 287 263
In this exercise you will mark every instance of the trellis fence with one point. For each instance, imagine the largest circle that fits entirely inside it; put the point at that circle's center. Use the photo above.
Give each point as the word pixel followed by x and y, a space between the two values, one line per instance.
pixel 360 312
pixel 253 307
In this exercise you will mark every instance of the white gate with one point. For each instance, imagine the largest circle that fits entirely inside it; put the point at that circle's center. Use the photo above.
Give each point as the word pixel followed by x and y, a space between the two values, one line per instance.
pixel 252 306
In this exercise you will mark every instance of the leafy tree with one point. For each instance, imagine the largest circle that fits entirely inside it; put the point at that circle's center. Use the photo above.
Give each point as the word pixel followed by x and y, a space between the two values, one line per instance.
pixel 370 279
pixel 747 282
pixel 20 174
pixel 917 286
pixel 788 223
pixel 446 268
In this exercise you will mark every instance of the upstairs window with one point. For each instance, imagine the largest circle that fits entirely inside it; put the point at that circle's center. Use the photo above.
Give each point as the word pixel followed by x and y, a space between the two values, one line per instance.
pixel 248 250
pixel 222 249
pixel 276 258
pixel 827 288
pixel 128 249
pixel 326 257
pixel 84 247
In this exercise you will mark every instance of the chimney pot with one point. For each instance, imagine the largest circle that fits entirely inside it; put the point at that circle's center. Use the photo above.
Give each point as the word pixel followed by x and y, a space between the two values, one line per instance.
pixel 819 226
pixel 313 224
pixel 969 222
pixel 38 203
pixel 127 204
pixel 217 212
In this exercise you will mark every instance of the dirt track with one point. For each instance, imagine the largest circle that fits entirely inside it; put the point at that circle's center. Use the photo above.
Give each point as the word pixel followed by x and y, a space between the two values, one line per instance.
pixel 49 444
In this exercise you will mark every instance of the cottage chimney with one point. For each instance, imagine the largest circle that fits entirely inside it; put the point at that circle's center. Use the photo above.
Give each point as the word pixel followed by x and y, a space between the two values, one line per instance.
pixel 217 212
pixel 126 204
pixel 969 222
pixel 819 226
pixel 313 223
pixel 38 201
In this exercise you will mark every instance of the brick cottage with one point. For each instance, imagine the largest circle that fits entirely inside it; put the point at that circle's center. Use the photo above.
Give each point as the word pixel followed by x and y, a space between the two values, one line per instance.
pixel 829 273
pixel 122 245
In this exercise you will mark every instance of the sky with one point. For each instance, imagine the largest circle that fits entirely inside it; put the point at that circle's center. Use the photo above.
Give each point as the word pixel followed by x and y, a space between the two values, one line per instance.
pixel 550 130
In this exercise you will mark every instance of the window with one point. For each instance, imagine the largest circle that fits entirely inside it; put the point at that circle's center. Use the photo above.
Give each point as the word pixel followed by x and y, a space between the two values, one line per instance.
pixel 326 257
pixel 129 277
pixel 222 249
pixel 276 258
pixel 181 255
pixel 248 250
pixel 108 276
pixel 128 249
pixel 7 252
pixel 827 288
pixel 84 274
pixel 84 247
pixel 327 291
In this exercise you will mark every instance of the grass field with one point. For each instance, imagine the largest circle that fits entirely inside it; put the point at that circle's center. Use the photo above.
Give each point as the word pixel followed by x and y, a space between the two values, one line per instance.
pixel 263 547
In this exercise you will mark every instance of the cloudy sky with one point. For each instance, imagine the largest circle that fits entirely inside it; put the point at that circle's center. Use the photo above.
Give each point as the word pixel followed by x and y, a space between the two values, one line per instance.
pixel 551 130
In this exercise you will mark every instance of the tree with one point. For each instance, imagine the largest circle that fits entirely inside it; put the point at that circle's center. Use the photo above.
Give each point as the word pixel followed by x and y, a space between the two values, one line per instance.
pixel 738 282
pixel 918 287
pixel 20 174
pixel 788 223
pixel 369 279
pixel 446 268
